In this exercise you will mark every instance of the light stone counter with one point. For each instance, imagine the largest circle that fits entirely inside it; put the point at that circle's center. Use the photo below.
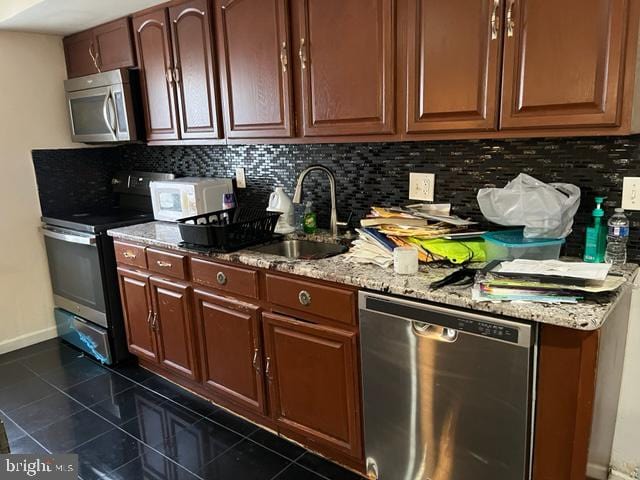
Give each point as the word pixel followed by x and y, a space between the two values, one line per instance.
pixel 587 315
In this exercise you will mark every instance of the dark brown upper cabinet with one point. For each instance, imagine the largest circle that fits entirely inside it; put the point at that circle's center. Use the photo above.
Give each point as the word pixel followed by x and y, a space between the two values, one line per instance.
pixel 151 33
pixel 176 61
pixel 103 48
pixel 255 68
pixel 194 71
pixel 563 63
pixel 346 60
pixel 452 65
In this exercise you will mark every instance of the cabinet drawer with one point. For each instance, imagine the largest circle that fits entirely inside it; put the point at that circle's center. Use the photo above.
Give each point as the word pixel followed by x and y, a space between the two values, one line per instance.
pixel 172 264
pixel 130 254
pixel 305 296
pixel 240 281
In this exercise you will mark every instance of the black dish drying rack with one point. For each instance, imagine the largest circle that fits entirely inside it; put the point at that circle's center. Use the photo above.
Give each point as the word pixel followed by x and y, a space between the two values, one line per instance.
pixel 229 230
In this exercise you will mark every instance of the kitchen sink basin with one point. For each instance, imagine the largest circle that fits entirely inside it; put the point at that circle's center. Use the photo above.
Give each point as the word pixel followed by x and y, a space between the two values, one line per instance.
pixel 302 249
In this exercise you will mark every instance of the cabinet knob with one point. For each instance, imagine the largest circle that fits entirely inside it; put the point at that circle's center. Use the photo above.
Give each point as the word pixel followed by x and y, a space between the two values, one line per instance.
pixel 221 278
pixel 304 297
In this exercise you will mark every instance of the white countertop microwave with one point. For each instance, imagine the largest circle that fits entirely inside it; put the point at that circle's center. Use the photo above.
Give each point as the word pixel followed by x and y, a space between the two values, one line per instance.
pixel 188 196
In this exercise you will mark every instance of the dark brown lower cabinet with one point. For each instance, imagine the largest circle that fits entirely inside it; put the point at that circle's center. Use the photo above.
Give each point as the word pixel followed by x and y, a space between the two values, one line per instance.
pixel 174 327
pixel 313 383
pixel 135 293
pixel 230 350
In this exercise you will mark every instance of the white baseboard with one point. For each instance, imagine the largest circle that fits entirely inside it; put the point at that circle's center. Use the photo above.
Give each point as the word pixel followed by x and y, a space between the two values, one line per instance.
pixel 616 475
pixel 28 339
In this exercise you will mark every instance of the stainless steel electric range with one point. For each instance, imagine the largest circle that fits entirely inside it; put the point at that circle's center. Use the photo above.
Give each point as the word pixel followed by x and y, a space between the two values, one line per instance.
pixel 83 268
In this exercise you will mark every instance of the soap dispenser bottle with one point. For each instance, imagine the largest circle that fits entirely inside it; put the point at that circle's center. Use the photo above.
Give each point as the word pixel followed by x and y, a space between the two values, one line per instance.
pixel 596 238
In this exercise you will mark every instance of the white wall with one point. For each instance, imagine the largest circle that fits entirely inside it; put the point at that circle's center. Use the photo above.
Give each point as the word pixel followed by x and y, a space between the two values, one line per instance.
pixel 626 446
pixel 32 115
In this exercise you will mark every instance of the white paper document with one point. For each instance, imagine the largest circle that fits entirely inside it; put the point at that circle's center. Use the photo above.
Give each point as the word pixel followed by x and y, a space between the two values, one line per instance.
pixel 587 271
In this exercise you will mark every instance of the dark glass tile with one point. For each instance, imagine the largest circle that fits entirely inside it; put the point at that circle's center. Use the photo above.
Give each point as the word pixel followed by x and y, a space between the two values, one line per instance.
pixel 126 405
pixel 106 453
pixel 26 444
pixel 277 444
pixel 246 460
pixel 73 373
pixel 99 388
pixel 30 350
pixel 326 468
pixel 180 396
pixel 156 421
pixel 51 359
pixel 296 472
pixel 23 393
pixel 66 434
pixel 197 445
pixel 234 422
pixel 14 432
pixel 44 412
pixel 133 372
pixel 12 373
pixel 151 466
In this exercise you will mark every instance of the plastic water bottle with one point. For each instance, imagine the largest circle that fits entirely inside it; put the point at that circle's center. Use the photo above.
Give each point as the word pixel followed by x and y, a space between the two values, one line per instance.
pixel 617 238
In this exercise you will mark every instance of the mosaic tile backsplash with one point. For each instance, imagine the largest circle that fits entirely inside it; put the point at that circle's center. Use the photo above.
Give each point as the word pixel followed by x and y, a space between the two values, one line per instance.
pixel 378 173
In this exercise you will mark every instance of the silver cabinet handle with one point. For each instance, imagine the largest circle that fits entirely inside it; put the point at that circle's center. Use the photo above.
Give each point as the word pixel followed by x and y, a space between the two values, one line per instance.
pixel 129 254
pixel 302 53
pixel 284 61
pixel 149 318
pixel 221 278
pixel 163 264
pixel 255 361
pixel 154 322
pixel 95 58
pixel 267 368
pixel 511 24
pixel 176 75
pixel 169 75
pixel 304 297
pixel 495 20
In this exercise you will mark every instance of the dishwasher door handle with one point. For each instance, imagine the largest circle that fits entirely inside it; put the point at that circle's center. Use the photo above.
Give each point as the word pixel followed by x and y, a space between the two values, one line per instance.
pixel 434 332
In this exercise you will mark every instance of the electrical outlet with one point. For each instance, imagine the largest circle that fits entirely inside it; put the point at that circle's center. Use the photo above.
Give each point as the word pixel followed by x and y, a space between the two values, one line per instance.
pixel 422 186
pixel 241 181
pixel 631 193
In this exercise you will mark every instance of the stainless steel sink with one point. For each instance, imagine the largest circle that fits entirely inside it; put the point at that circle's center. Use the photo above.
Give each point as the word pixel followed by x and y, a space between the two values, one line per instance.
pixel 302 249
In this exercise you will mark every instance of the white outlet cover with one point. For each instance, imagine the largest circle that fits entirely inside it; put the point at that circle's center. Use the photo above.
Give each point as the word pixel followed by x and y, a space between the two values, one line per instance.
pixel 631 193
pixel 241 181
pixel 422 186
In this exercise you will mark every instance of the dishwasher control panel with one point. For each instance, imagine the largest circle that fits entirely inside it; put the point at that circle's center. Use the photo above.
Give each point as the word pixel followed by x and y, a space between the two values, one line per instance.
pixel 487 329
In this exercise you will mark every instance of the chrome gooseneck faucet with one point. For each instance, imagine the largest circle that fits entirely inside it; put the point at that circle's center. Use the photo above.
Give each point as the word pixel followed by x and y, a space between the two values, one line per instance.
pixel 297 196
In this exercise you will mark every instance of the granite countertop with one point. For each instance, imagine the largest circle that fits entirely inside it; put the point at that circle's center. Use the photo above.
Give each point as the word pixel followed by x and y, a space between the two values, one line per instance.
pixel 587 315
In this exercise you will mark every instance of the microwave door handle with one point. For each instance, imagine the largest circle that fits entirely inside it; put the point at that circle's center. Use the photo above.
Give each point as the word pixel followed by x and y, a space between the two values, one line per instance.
pixel 108 103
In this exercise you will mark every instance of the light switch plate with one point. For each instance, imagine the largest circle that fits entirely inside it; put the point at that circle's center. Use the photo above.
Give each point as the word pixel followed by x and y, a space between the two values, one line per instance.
pixel 422 186
pixel 241 181
pixel 631 193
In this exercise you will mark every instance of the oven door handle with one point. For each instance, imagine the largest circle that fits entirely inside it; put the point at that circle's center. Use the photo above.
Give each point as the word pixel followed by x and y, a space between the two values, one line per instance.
pixel 89 240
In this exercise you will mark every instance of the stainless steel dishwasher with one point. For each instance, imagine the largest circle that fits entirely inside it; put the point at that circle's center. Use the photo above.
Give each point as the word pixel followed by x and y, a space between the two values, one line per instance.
pixel 447 393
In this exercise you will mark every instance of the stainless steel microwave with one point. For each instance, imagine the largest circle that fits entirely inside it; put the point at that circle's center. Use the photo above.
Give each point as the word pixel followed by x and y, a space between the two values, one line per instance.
pixel 101 107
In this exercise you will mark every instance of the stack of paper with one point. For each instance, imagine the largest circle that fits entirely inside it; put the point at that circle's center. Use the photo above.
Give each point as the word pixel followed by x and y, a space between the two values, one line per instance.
pixel 546 281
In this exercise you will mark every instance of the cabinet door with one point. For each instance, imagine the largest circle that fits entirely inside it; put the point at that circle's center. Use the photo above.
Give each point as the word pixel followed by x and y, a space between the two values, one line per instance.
pixel 452 65
pixel 78 50
pixel 230 349
pixel 255 70
pixel 151 35
pixel 173 325
pixel 313 382
pixel 562 63
pixel 138 312
pixel 113 45
pixel 346 57
pixel 194 73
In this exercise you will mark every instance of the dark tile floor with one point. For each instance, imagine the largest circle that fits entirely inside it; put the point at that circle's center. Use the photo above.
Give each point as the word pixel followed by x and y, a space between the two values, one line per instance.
pixel 126 423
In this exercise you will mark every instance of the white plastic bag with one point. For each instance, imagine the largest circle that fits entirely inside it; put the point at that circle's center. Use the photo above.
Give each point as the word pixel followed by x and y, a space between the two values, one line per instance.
pixel 545 210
